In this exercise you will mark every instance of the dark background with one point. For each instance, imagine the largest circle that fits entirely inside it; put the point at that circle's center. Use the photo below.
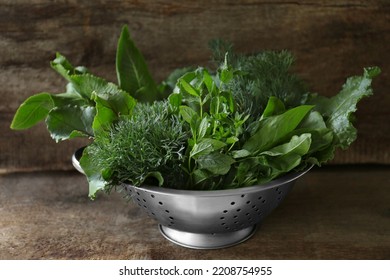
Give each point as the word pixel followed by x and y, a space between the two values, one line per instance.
pixel 331 40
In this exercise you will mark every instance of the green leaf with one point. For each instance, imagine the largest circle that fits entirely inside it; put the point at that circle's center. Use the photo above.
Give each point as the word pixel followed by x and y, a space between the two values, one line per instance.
pixel 314 124
pixel 200 149
pixel 217 163
pixel 88 84
pixel 33 110
pixel 226 71
pixel 274 107
pixel 175 100
pixel 203 126
pixel 240 153
pixel 69 98
pixel 109 96
pixel 200 176
pixel 206 146
pixel 171 81
pixel 274 129
pixel 339 108
pixel 188 114
pixel 298 145
pixel 188 88
pixel 157 175
pixel 104 117
pixel 94 177
pixel 63 67
pixel 70 121
pixel 208 81
pixel 132 71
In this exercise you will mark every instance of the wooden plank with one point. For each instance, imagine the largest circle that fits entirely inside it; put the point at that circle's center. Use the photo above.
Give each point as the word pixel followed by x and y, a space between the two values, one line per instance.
pixel 331 40
pixel 336 213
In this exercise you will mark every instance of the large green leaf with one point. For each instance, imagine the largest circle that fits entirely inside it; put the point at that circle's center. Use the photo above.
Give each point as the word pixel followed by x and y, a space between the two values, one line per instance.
pixel 33 110
pixel 109 107
pixel 132 71
pixel 298 145
pixel 70 121
pixel 321 135
pixel 339 108
pixel 274 129
pixel 284 158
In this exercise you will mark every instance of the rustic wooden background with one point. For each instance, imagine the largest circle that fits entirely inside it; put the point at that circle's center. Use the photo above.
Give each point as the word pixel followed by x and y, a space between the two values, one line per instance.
pixel 330 39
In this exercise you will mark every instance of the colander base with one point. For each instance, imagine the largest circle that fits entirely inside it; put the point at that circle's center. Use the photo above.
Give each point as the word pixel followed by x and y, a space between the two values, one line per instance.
pixel 206 240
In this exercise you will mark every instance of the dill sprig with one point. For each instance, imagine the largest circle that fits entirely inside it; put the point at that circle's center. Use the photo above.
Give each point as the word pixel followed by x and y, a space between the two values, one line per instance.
pixel 146 148
pixel 263 75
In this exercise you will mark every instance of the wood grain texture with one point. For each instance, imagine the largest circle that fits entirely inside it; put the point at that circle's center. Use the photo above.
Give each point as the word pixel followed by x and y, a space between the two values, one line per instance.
pixel 330 39
pixel 332 213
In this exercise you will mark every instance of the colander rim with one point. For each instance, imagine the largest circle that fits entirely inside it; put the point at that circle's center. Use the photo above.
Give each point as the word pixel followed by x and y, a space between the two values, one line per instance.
pixel 218 193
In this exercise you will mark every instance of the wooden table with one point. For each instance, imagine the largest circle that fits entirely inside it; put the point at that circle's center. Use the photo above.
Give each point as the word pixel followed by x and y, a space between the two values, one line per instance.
pixel 332 213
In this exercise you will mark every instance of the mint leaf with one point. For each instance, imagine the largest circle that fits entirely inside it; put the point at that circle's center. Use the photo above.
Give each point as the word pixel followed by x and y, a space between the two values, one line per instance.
pixel 132 72
pixel 339 108
pixel 33 110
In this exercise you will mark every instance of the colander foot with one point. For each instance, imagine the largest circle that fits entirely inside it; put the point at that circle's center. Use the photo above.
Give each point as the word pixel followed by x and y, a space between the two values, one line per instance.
pixel 206 240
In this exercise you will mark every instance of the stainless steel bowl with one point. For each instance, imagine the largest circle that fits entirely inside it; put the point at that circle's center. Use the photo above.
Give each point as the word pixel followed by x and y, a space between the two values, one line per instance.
pixel 211 219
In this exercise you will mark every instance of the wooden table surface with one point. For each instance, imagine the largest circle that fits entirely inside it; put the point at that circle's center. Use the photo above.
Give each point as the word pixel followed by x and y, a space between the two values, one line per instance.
pixel 332 213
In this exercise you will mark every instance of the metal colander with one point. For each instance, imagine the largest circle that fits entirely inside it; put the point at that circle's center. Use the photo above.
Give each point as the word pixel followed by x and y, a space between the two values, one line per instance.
pixel 208 219
pixel 211 219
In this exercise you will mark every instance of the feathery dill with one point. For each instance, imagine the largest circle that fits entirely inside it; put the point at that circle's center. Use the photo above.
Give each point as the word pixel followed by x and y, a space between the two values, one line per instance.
pixel 146 148
pixel 263 75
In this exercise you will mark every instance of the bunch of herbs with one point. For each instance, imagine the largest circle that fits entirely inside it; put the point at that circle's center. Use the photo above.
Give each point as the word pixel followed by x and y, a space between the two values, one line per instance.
pixel 246 122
